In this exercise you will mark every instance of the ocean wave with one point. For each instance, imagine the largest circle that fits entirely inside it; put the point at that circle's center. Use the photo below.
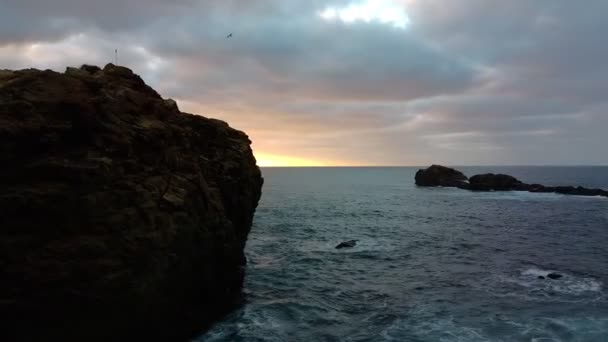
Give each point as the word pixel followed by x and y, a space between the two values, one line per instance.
pixel 532 196
pixel 499 329
pixel 533 284
pixel 542 329
pixel 438 265
pixel 568 284
pixel 443 330
pixel 520 196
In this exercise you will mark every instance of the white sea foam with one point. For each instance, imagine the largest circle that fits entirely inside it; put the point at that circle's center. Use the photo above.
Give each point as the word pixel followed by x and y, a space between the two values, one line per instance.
pixel 533 196
pixel 544 329
pixel 528 285
pixel 568 284
pixel 264 261
pixel 523 196
pixel 536 272
pixel 532 328
pixel 444 330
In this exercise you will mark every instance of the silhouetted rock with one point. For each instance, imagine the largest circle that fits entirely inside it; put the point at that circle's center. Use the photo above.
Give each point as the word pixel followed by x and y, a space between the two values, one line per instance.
pixel 568 190
pixel 554 276
pixel 121 217
pixel 91 69
pixel 493 182
pixel 539 188
pixel 437 175
pixel 580 191
pixel 347 244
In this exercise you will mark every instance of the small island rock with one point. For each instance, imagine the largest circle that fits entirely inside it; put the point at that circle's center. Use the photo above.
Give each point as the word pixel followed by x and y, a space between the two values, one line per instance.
pixel 437 175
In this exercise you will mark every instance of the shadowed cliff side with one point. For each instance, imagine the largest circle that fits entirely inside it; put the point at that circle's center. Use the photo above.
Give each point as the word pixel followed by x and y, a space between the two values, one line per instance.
pixel 121 218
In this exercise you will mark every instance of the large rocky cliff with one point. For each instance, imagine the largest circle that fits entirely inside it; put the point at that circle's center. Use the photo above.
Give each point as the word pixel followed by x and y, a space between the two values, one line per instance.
pixel 121 218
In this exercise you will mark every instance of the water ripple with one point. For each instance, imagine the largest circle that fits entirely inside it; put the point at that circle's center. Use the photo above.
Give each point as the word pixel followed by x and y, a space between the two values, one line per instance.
pixel 430 264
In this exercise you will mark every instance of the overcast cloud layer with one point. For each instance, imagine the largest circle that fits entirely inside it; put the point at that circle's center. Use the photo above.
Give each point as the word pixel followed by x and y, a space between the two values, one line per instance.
pixel 461 82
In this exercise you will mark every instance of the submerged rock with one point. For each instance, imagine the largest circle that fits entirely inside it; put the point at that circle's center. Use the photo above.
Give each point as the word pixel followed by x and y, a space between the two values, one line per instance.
pixel 437 175
pixel 122 218
pixel 347 244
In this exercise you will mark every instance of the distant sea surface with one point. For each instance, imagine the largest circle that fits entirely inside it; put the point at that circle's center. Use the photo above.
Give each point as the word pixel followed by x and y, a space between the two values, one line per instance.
pixel 431 264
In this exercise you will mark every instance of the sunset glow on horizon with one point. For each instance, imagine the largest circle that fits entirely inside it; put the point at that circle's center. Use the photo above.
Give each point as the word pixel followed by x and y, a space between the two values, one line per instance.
pixel 272 160
pixel 351 82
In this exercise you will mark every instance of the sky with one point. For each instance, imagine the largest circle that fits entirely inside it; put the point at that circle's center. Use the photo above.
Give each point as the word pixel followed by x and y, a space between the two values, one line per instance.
pixel 352 82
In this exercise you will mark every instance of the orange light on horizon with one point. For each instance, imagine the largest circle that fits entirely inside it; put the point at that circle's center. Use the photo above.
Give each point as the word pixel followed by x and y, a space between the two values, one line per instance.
pixel 274 160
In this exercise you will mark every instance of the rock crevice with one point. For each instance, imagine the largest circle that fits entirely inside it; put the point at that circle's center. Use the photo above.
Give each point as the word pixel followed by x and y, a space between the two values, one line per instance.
pixel 120 217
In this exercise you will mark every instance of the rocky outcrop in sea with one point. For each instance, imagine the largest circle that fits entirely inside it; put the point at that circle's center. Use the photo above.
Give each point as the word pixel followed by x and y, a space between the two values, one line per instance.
pixel 437 175
pixel 121 218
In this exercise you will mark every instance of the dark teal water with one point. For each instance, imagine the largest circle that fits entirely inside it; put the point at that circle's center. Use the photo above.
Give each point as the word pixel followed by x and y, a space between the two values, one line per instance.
pixel 431 264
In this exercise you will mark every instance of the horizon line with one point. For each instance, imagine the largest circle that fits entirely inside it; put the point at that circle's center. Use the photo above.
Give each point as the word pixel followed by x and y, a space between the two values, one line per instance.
pixel 402 166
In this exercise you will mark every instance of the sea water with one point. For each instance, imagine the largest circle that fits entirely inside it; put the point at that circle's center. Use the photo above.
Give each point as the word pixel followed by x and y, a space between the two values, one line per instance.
pixel 431 264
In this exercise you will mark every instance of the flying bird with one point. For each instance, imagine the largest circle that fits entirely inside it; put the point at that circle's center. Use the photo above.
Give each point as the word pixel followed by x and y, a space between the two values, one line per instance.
pixel 229 36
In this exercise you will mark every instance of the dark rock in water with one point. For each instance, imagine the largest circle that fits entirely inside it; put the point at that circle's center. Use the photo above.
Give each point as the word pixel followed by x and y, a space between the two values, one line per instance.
pixel 121 218
pixel 437 175
pixel 566 190
pixel 541 277
pixel 493 182
pixel 580 191
pixel 347 244
pixel 539 188
pixel 554 276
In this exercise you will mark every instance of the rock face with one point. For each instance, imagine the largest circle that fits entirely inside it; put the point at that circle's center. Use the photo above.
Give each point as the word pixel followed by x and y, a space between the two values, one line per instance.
pixel 492 182
pixel 120 217
pixel 568 190
pixel 438 175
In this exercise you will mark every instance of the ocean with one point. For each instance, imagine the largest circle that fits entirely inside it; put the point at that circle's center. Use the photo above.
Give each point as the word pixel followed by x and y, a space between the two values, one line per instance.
pixel 431 264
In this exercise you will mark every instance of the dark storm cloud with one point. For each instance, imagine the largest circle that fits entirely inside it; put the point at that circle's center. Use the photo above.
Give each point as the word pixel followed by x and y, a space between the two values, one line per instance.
pixel 467 81
pixel 547 75
pixel 301 55
pixel 35 20
pixel 541 48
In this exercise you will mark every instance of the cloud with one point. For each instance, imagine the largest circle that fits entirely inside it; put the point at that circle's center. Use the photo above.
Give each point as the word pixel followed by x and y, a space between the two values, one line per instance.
pixel 308 57
pixel 465 81
pixel 52 20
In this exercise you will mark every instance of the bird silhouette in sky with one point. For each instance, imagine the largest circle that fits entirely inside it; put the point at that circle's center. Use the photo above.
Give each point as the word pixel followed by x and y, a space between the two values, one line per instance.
pixel 229 36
